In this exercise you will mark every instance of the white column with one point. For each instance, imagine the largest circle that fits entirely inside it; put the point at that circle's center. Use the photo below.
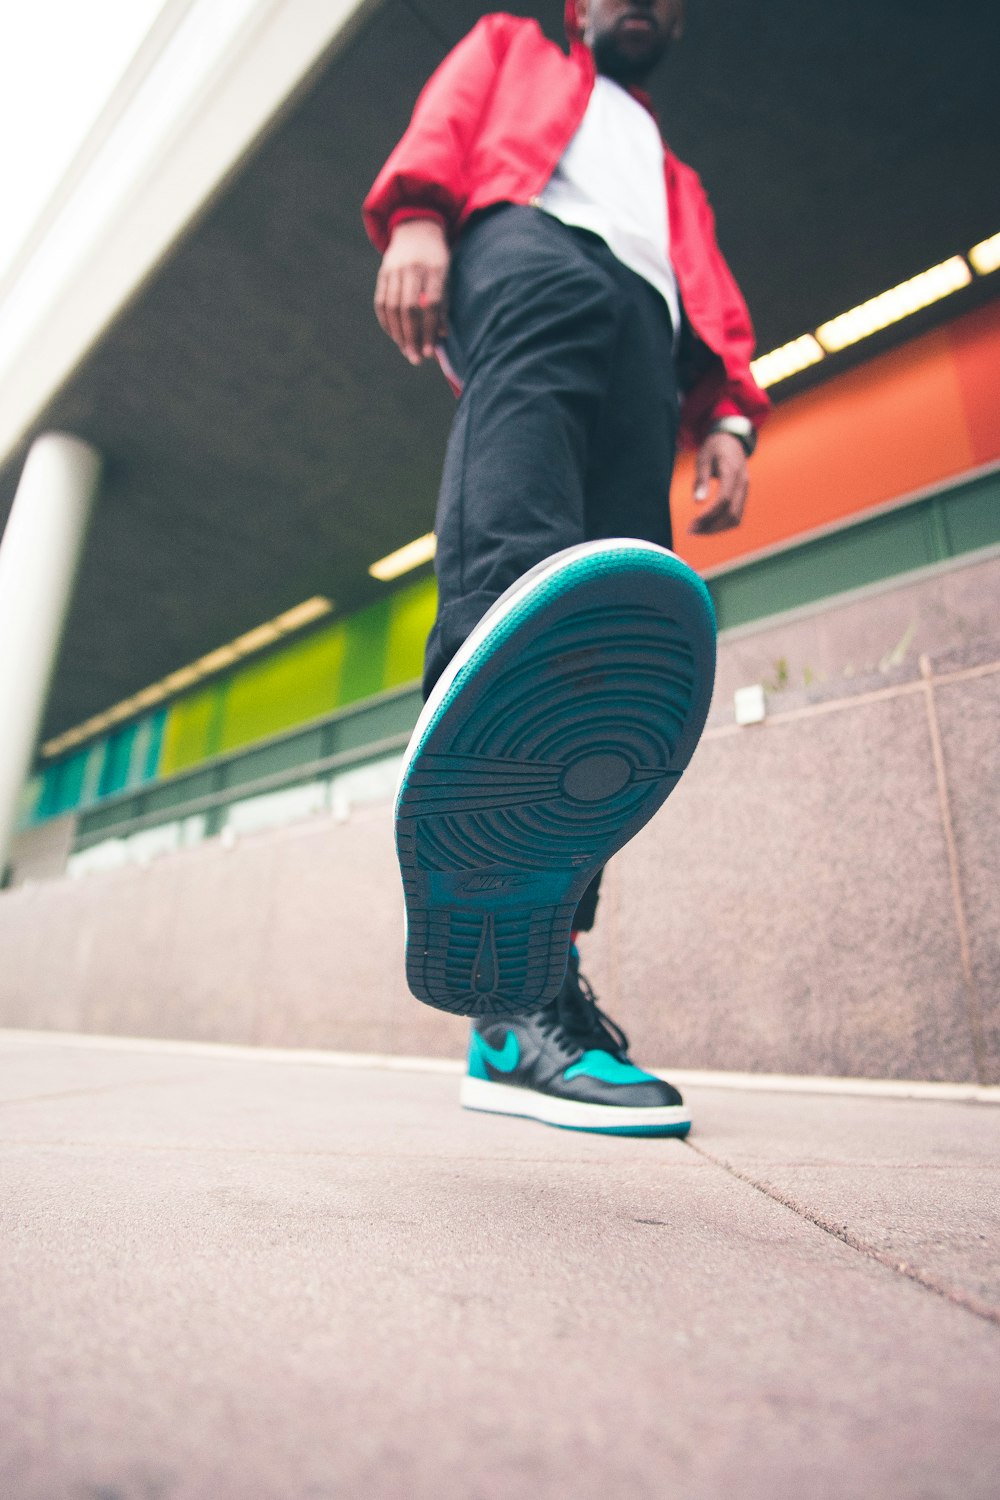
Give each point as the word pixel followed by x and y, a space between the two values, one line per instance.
pixel 39 556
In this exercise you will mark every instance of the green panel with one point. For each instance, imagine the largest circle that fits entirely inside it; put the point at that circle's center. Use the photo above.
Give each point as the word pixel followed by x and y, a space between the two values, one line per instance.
pixel 98 819
pixel 849 559
pixel 295 750
pixel 378 722
pixel 972 516
pixel 292 685
pixel 192 729
pixel 367 635
pixel 165 798
pixel 382 647
pixel 411 617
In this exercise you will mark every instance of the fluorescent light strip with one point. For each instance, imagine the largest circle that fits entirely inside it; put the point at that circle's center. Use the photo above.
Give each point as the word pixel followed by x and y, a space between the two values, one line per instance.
pixel 877 313
pixel 404 559
pixel 894 305
pixel 985 257
pixel 184 677
pixel 786 361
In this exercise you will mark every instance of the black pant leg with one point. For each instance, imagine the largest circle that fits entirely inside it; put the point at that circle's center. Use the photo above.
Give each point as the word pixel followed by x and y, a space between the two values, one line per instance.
pixel 533 321
pixel 567 423
pixel 627 487
pixel 631 462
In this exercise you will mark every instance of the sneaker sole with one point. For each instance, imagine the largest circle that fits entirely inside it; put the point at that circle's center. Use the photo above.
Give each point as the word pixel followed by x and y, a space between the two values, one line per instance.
pixel 557 731
pixel 568 1114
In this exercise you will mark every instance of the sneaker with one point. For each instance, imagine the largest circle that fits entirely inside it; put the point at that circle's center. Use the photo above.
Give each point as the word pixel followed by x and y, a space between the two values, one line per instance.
pixel 568 1064
pixel 555 733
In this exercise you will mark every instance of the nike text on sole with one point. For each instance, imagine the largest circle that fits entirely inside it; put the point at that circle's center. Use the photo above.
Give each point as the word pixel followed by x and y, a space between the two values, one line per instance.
pixel 570 1114
pixel 556 732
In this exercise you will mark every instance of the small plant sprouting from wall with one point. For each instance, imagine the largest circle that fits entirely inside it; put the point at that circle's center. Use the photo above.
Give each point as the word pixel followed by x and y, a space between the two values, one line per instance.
pixel 779 680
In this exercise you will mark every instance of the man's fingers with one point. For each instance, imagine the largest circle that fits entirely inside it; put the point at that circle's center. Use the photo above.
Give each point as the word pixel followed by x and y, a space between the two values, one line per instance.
pixel 432 301
pixel 737 499
pixel 702 473
pixel 390 308
pixel 711 520
pixel 739 504
pixel 380 293
pixel 723 515
pixel 411 287
pixel 411 313
pixel 729 475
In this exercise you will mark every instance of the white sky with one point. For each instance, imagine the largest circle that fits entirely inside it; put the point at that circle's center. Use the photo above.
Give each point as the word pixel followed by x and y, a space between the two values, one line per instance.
pixel 59 63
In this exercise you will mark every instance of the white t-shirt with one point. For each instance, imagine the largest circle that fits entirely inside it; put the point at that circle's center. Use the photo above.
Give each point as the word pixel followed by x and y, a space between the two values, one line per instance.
pixel 610 181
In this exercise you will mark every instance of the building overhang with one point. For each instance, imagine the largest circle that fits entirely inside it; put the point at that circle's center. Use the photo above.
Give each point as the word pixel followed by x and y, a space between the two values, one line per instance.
pixel 265 443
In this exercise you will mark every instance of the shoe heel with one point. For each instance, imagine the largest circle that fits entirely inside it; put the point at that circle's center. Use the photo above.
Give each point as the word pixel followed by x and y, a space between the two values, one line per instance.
pixel 481 963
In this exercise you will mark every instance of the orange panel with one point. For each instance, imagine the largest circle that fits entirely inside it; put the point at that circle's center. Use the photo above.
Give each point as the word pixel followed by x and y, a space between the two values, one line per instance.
pixel 897 424
pixel 975 342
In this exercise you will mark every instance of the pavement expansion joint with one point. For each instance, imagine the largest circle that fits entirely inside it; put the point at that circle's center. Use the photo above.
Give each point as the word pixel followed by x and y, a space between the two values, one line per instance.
pixel 954 1295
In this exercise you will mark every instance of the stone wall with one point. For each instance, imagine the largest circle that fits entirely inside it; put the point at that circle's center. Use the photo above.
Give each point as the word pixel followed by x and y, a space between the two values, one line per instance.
pixel 818 896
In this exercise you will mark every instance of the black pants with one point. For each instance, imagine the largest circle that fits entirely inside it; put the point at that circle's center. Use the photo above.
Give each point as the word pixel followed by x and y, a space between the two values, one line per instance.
pixel 566 427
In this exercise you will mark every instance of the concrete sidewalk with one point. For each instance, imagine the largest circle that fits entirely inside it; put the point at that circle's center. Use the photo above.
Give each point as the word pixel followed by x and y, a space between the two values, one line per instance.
pixel 235 1278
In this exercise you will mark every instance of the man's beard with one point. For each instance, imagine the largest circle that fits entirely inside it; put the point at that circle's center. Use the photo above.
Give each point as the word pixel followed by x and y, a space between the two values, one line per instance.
pixel 613 62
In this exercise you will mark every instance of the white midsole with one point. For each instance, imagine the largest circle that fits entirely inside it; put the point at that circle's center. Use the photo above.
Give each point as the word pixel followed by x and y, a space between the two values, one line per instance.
pixel 507 601
pixel 507 1099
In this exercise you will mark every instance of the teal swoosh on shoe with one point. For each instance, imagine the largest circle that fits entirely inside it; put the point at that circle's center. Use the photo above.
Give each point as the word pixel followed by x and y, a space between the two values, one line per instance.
pixel 608 1069
pixel 504 1059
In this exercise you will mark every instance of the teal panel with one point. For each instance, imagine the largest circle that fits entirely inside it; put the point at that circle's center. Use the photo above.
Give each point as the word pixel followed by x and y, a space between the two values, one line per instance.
pixel 63 785
pixel 31 796
pixel 47 795
pixel 92 773
pixel 380 642
pixel 155 746
pixel 145 733
pixel 114 777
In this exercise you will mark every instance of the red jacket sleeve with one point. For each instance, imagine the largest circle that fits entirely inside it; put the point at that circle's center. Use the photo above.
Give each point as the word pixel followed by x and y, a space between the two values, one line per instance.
pixel 740 395
pixel 425 175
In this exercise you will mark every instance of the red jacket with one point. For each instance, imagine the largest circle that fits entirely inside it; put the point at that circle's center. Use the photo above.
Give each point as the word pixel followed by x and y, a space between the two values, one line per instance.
pixel 490 126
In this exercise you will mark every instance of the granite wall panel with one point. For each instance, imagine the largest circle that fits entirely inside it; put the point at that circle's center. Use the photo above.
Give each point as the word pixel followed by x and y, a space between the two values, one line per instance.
pixel 969 717
pixel 838 641
pixel 790 909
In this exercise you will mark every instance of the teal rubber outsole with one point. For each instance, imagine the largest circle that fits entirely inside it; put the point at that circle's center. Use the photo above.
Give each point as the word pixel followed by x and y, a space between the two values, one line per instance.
pixel 558 732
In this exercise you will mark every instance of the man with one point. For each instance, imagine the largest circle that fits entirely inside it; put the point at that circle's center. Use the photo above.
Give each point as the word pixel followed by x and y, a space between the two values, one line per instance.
pixel 561 263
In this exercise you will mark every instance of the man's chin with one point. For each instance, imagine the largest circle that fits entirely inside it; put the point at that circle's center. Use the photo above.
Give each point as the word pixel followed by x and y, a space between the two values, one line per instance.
pixel 629 57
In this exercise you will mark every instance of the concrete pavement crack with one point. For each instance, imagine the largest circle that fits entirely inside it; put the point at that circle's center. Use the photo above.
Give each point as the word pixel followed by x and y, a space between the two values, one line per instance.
pixel 958 1298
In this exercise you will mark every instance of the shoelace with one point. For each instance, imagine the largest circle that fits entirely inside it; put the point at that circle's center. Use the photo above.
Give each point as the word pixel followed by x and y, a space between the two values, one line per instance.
pixel 576 1013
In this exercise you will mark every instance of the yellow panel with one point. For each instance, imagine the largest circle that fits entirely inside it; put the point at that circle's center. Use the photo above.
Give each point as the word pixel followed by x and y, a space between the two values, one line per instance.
pixel 189 730
pixel 287 688
pixel 409 625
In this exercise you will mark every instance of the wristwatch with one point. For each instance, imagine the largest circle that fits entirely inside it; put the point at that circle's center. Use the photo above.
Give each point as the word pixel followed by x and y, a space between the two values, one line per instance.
pixel 738 427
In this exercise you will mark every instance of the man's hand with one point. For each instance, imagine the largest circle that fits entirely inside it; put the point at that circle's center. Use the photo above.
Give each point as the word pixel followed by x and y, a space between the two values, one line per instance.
pixel 722 457
pixel 411 288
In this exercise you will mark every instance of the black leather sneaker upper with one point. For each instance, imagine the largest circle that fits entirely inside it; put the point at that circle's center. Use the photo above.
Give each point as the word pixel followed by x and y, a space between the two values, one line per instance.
pixel 569 1049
